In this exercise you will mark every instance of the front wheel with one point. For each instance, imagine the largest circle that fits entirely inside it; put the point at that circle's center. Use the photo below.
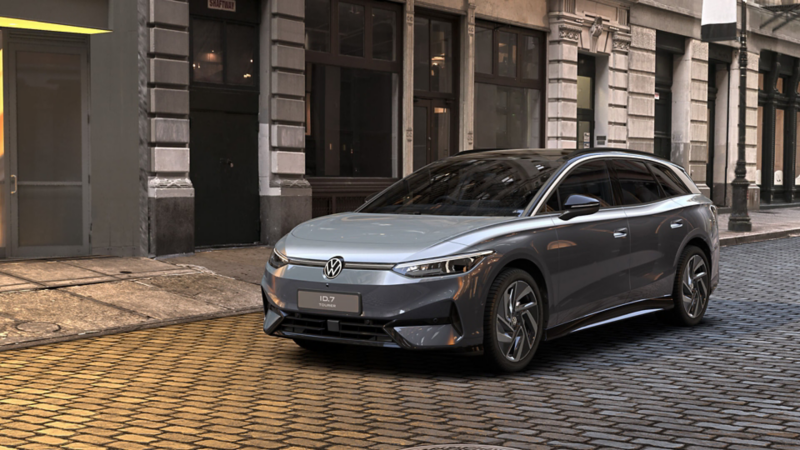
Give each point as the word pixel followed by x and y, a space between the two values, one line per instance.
pixel 513 321
pixel 691 290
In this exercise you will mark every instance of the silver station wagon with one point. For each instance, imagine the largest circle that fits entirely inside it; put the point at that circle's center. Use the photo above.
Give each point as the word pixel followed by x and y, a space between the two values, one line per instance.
pixel 494 251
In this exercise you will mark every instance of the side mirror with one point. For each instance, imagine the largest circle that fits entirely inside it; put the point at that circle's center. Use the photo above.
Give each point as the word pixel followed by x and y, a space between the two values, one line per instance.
pixel 579 205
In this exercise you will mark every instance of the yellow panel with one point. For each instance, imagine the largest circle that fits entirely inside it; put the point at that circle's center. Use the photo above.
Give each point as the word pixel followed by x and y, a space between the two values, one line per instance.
pixel 8 22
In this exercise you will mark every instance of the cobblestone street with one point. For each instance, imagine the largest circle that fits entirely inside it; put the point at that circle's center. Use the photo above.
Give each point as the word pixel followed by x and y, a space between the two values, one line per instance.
pixel 733 382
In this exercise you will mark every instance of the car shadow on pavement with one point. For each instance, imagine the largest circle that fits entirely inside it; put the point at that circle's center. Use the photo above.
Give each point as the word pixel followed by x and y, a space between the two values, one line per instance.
pixel 729 326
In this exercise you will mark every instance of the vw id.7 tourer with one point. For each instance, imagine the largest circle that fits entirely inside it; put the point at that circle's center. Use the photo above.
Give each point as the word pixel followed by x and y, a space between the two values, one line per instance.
pixel 494 251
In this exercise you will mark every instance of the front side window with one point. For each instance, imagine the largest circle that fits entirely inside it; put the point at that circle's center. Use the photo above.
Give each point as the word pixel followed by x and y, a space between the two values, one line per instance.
pixel 636 183
pixel 467 187
pixel 508 87
pixel 590 179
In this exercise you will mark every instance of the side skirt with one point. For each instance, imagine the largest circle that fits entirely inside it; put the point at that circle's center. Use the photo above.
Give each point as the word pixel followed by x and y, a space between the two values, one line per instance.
pixel 622 312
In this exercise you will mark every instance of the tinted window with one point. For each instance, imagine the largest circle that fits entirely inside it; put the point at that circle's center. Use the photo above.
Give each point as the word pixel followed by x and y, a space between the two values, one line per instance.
pixel 590 179
pixel 636 183
pixel 467 187
pixel 670 182
pixel 551 205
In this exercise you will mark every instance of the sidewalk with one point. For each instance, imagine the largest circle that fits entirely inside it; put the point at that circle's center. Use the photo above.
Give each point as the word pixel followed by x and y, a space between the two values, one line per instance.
pixel 767 224
pixel 46 301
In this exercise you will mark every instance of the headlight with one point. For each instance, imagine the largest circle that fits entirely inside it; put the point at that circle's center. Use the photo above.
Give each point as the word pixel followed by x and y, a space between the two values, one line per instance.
pixel 278 259
pixel 443 266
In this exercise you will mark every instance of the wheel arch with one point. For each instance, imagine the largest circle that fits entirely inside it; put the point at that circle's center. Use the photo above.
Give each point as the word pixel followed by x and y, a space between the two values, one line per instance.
pixel 538 276
pixel 700 243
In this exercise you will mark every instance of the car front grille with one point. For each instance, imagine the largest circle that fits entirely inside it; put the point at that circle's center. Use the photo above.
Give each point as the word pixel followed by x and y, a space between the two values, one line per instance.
pixel 348 328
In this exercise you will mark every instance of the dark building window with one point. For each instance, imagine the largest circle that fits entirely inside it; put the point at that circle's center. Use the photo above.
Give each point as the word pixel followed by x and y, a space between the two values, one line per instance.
pixel 224 53
pixel 586 86
pixel 508 87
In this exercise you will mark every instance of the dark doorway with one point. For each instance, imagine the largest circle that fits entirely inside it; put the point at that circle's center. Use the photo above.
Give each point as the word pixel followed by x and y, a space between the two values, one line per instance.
pixel 663 112
pixel 586 83
pixel 223 117
pixel 433 121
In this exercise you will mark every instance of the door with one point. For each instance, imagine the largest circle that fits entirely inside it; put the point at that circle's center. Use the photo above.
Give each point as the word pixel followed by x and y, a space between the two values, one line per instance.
pixel 657 228
pixel 49 148
pixel 586 76
pixel 224 172
pixel 433 120
pixel 593 250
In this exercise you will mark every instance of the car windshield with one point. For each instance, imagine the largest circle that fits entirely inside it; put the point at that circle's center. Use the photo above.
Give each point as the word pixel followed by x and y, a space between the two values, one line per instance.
pixel 500 185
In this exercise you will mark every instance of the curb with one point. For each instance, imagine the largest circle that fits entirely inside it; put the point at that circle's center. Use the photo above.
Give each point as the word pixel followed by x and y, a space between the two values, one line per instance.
pixel 752 238
pixel 129 328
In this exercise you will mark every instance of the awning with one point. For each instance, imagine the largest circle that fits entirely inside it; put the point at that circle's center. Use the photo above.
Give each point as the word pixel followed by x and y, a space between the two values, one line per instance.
pixel 69 16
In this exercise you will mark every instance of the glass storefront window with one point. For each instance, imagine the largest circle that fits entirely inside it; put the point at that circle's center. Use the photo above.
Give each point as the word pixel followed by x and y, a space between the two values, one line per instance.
pixel 441 56
pixel 483 50
pixel 318 25
pixel 507 54
pixel 421 54
pixel 384 34
pixel 507 117
pixel 530 58
pixel 353 130
pixel 207 55
pixel 241 48
pixel 351 29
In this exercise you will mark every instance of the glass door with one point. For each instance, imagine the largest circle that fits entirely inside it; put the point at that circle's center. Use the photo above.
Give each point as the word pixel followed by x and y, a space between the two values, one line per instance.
pixel 432 131
pixel 48 152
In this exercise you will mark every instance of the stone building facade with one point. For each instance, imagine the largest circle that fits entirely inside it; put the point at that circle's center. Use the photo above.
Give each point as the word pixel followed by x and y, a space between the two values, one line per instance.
pixel 227 122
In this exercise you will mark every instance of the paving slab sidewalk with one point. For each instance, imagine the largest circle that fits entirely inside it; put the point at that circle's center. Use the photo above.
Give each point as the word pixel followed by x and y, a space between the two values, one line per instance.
pixel 47 301
pixel 44 301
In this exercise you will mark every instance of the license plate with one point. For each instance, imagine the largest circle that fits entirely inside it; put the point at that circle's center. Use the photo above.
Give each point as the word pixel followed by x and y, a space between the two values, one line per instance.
pixel 329 301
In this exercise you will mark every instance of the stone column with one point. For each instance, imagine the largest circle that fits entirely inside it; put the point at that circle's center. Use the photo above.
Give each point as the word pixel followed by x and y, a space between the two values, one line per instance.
pixel 562 92
pixel 407 147
pixel 466 139
pixel 690 112
pixel 164 102
pixel 284 191
pixel 642 89
pixel 754 191
pixel 618 91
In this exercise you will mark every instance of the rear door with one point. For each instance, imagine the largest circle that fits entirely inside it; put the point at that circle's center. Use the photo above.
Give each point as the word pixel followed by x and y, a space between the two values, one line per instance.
pixel 593 250
pixel 657 228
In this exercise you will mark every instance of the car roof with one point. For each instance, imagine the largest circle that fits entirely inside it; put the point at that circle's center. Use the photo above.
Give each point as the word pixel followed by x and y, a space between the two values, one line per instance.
pixel 556 155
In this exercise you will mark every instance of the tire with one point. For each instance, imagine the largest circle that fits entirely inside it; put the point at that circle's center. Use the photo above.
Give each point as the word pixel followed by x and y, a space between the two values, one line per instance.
pixel 511 338
pixel 317 346
pixel 691 290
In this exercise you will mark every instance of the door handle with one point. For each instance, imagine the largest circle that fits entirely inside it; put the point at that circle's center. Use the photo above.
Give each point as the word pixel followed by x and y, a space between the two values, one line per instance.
pixel 676 224
pixel 621 233
pixel 15 184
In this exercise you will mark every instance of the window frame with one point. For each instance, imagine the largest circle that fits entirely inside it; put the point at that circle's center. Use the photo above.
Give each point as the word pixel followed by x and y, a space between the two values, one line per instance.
pixel 367 62
pixel 456 57
pixel 256 86
pixel 518 80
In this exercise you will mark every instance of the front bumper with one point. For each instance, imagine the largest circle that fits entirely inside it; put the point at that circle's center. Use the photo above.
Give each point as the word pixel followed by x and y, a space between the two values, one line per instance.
pixel 396 311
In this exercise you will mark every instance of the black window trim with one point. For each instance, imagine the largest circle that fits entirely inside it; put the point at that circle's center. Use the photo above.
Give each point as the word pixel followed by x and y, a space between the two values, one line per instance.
pixel 518 80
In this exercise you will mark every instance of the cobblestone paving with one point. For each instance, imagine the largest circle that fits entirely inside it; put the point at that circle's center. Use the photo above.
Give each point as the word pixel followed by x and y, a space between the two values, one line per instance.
pixel 733 383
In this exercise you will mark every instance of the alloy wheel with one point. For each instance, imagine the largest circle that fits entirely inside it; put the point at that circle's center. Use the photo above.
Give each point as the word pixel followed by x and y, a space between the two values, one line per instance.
pixel 517 321
pixel 694 286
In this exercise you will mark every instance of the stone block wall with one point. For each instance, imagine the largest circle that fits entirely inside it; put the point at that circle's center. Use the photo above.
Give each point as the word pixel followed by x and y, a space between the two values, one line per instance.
pixel 642 89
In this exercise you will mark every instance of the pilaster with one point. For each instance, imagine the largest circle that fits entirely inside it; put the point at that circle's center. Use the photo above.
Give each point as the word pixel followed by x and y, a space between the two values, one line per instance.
pixel 467 136
pixel 690 112
pixel 164 132
pixel 562 78
pixel 642 89
pixel 408 90
pixel 284 191
pixel 751 141
pixel 618 91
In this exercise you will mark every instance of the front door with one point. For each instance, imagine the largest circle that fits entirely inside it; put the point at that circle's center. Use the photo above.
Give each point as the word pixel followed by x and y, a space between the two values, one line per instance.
pixel 433 120
pixel 48 173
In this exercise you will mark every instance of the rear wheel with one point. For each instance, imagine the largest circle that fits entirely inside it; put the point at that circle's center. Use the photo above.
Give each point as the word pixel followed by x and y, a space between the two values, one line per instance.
pixel 513 321
pixel 691 290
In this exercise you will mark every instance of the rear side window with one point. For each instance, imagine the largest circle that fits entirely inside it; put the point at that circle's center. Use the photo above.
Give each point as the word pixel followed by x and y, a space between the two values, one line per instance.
pixel 590 179
pixel 669 180
pixel 636 183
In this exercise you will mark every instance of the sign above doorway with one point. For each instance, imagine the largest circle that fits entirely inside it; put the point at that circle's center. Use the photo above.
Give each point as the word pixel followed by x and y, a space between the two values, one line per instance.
pixel 222 5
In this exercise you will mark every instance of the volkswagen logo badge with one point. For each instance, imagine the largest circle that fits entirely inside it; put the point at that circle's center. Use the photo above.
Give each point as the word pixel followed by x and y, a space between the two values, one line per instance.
pixel 333 267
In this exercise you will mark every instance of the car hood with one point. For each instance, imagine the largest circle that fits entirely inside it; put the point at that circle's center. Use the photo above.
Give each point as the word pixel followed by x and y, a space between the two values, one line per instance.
pixel 380 238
